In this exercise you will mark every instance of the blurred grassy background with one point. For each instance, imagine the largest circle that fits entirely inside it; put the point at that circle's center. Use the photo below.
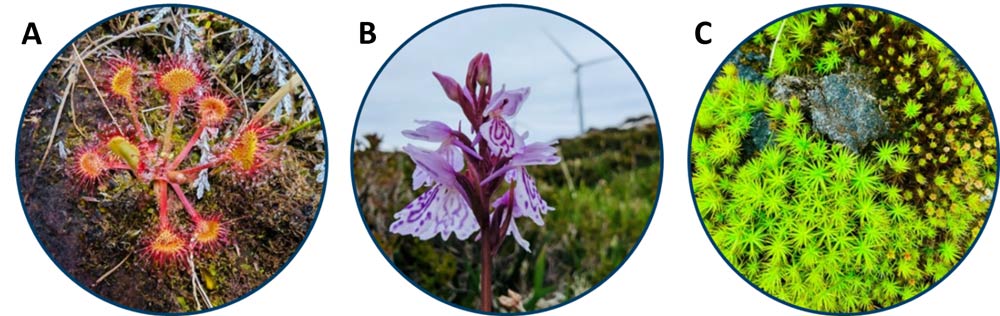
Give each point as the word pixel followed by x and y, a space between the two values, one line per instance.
pixel 603 193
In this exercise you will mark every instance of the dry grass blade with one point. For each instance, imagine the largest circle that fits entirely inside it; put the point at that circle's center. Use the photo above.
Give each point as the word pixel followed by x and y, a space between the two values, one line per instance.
pixel 294 82
pixel 113 269
pixel 55 124
pixel 97 90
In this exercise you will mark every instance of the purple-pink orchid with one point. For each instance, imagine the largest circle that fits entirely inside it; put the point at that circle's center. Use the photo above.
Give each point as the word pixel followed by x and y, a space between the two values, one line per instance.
pixel 477 181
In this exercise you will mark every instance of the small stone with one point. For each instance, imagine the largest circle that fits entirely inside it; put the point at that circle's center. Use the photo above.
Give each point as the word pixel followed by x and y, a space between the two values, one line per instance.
pixel 759 136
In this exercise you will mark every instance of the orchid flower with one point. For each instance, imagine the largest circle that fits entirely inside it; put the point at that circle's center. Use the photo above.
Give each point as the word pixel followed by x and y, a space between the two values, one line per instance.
pixel 501 138
pixel 466 171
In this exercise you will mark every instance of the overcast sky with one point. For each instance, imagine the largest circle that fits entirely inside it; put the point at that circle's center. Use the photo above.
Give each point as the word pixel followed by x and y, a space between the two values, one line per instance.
pixel 522 55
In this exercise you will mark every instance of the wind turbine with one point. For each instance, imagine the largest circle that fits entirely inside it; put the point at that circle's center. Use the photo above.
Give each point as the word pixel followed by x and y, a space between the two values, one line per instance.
pixel 577 66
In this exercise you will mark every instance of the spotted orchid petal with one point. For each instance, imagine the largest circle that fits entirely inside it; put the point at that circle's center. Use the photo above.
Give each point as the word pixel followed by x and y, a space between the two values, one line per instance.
pixel 537 153
pixel 463 221
pixel 450 148
pixel 451 154
pixel 431 131
pixel 415 218
pixel 527 202
pixel 518 238
pixel 501 138
pixel 437 167
pixel 439 211
pixel 507 103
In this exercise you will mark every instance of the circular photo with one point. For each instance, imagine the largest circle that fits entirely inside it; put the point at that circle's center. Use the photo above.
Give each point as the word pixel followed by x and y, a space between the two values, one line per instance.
pixel 171 159
pixel 506 169
pixel 843 160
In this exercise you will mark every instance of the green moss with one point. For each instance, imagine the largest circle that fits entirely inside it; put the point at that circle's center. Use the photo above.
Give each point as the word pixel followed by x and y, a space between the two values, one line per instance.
pixel 800 30
pixel 912 109
pixel 907 59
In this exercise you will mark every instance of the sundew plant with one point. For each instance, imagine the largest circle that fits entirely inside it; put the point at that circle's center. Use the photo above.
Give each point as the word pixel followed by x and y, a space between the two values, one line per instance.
pixel 477 180
pixel 843 160
pixel 170 159
pixel 127 148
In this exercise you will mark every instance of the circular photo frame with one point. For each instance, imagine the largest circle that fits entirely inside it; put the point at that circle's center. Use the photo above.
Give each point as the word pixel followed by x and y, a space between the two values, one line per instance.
pixel 171 159
pixel 469 206
pixel 843 159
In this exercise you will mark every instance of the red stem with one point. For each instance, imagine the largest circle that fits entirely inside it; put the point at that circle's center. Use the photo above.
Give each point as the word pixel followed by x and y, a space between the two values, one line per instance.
pixel 508 218
pixel 206 165
pixel 187 148
pixel 135 119
pixel 486 274
pixel 161 192
pixel 195 217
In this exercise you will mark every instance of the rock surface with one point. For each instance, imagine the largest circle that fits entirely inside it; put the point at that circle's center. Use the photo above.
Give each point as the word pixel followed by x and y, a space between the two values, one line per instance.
pixel 759 136
pixel 746 65
pixel 841 106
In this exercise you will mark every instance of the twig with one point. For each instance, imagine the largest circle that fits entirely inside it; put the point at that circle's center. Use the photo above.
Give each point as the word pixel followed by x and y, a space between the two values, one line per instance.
pixel 234 30
pixel 113 269
pixel 96 89
pixel 194 283
pixel 55 124
pixel 243 97
pixel 289 87
pixel 128 32
pixel 199 292
pixel 777 38
pixel 223 85
pixel 86 54
pixel 236 219
pixel 153 109
pixel 72 112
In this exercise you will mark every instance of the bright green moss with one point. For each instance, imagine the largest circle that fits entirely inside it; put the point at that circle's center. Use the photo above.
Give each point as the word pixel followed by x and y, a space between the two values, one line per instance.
pixel 907 60
pixel 912 109
pixel 800 30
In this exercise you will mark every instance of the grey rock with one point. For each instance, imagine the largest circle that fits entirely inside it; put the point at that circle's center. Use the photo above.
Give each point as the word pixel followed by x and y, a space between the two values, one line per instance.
pixel 841 106
pixel 746 65
pixel 785 87
pixel 759 136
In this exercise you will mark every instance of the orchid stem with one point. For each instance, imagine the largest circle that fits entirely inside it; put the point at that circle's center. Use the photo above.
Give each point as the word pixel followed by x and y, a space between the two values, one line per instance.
pixel 486 275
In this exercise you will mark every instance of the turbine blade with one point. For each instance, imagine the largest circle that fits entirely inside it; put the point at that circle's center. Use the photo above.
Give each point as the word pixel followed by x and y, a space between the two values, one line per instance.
pixel 597 61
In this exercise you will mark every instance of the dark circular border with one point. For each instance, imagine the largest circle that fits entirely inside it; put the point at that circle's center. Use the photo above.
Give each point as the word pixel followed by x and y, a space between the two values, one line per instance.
pixel 326 161
pixel 709 86
pixel 528 7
